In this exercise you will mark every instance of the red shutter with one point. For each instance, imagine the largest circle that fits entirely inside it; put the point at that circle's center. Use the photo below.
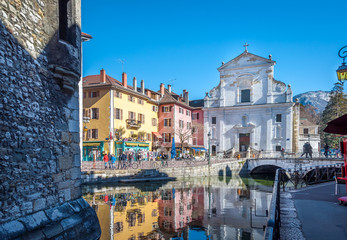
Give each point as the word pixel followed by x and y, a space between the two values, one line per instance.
pixel 121 114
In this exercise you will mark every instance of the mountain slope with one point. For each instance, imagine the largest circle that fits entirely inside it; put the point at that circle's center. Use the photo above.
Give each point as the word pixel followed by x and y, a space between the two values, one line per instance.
pixel 318 99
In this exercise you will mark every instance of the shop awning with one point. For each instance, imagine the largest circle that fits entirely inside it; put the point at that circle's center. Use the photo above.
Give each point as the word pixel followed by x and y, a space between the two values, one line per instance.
pixel 131 144
pixel 91 144
pixel 199 149
pixel 157 134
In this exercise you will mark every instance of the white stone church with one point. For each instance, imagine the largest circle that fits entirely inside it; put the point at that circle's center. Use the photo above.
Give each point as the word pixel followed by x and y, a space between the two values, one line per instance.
pixel 249 112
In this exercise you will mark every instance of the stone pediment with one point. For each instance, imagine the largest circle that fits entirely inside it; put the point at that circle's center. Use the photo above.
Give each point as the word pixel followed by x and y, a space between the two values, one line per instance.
pixel 246 59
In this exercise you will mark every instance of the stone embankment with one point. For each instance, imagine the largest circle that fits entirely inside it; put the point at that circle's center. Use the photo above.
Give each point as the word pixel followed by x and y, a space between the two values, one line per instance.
pixel 71 220
pixel 221 168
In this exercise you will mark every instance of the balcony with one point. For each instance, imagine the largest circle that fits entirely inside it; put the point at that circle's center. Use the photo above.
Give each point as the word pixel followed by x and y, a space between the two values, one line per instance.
pixel 132 123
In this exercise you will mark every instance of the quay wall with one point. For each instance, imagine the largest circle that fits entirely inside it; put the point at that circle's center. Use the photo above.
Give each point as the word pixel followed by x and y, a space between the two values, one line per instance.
pixel 216 169
pixel 40 70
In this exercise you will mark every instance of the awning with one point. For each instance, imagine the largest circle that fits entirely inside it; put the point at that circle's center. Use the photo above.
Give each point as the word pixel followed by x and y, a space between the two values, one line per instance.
pixel 199 149
pixel 91 144
pixel 157 134
pixel 337 126
pixel 131 144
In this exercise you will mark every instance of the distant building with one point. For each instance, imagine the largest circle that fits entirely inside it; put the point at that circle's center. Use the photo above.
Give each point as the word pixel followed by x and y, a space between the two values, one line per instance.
pixel 121 117
pixel 308 132
pixel 198 127
pixel 249 111
pixel 175 120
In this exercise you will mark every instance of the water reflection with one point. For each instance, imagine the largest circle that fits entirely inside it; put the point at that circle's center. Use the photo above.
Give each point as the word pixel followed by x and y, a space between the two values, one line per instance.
pixel 201 208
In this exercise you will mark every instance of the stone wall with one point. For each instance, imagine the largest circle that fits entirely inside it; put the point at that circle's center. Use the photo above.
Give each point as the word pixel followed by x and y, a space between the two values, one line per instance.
pixel 39 75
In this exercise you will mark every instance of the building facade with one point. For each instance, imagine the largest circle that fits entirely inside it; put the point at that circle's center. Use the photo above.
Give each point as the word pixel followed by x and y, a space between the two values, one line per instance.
pixel 175 120
pixel 117 112
pixel 40 65
pixel 249 111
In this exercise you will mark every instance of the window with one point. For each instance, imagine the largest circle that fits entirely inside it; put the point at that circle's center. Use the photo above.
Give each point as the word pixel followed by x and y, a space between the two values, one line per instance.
pixel 167 211
pixel 305 130
pixel 119 113
pixel 141 118
pixel 180 110
pixel 64 21
pixel 166 109
pixel 195 141
pixel 118 94
pixel 189 125
pixel 214 120
pixel 94 94
pixel 278 117
pixel 167 122
pixel 181 123
pixel 154 212
pixel 140 101
pixel 131 98
pixel 154 122
pixel 195 116
pixel 278 148
pixel 93 133
pixel 167 137
pixel 245 95
pixel 155 108
pixel 95 113
pixel 188 113
pixel 131 115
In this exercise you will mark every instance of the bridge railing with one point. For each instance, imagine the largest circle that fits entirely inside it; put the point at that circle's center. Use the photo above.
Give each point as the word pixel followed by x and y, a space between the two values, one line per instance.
pixel 272 230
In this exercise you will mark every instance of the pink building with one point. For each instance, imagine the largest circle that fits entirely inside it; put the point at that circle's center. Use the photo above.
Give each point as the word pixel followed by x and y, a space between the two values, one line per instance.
pixel 198 126
pixel 175 119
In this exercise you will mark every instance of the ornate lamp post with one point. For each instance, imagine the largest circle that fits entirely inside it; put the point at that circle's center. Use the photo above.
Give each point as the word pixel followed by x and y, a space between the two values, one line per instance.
pixel 342 70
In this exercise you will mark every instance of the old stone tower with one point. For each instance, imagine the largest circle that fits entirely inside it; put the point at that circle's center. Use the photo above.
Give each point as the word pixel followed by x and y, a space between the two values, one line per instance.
pixel 40 67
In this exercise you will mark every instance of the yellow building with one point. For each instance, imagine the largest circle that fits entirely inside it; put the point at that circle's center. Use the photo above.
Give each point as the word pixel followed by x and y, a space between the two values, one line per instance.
pixel 113 112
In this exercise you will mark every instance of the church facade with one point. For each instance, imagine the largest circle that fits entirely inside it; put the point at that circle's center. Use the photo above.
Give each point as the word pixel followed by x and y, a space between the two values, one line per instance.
pixel 249 111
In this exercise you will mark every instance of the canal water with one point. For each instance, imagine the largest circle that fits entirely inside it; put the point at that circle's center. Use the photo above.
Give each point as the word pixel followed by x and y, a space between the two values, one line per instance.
pixel 199 208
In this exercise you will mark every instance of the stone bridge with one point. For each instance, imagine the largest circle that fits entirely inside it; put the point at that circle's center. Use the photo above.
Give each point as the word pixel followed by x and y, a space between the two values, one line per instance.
pixel 266 165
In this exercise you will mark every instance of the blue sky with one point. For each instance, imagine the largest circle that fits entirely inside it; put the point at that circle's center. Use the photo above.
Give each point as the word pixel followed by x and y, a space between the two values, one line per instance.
pixel 187 40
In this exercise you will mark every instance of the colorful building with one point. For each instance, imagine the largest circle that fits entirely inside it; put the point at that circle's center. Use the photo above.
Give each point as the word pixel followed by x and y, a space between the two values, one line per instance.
pixel 198 127
pixel 114 111
pixel 175 120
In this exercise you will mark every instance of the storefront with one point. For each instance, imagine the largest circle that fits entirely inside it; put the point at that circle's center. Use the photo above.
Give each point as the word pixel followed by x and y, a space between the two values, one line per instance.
pixel 198 151
pixel 93 149
pixel 132 150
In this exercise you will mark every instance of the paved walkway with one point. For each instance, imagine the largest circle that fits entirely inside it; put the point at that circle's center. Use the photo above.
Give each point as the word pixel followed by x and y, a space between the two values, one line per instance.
pixel 314 213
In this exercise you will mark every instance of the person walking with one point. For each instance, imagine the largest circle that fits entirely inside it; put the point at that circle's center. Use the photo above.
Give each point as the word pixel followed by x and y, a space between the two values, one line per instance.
pixel 105 160
pixel 304 150
pixel 326 150
pixel 309 150
pixel 113 161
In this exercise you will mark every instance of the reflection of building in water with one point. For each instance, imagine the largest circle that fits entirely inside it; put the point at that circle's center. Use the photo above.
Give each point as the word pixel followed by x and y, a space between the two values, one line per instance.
pixel 229 209
pixel 176 209
pixel 135 217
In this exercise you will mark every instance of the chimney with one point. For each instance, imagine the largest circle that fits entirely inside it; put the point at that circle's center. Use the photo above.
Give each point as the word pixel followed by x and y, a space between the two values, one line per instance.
pixel 169 88
pixel 102 76
pixel 142 87
pixel 162 89
pixel 124 80
pixel 186 97
pixel 134 84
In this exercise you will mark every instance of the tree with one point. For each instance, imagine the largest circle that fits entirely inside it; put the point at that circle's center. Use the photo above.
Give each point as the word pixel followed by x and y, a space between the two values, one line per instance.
pixel 119 132
pixel 336 107
pixel 184 133
pixel 310 113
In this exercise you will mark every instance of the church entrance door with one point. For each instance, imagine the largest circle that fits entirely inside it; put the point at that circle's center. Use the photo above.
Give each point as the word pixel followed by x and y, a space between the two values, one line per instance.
pixel 244 141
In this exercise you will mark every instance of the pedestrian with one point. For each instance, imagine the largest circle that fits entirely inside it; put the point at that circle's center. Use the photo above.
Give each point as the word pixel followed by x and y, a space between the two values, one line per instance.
pixel 304 150
pixel 113 161
pixel 105 160
pixel 309 150
pixel 282 152
pixel 326 150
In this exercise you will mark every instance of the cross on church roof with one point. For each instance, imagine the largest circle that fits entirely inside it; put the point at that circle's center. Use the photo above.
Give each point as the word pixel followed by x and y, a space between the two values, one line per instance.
pixel 246 45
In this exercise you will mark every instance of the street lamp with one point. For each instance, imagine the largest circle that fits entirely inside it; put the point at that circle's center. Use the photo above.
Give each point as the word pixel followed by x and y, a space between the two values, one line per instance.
pixel 209 147
pixel 342 70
